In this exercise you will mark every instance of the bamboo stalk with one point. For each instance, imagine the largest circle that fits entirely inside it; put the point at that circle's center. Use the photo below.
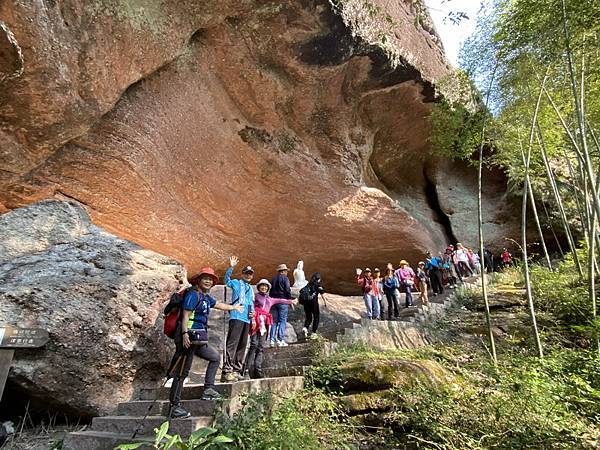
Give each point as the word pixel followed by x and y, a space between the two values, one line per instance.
pixel 559 203
pixel 488 319
pixel 526 274
pixel 534 209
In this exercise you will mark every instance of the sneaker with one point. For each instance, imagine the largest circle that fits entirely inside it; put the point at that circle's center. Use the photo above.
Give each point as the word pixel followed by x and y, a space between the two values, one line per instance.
pixel 178 412
pixel 169 382
pixel 282 344
pixel 305 331
pixel 272 344
pixel 210 394
pixel 229 377
pixel 314 336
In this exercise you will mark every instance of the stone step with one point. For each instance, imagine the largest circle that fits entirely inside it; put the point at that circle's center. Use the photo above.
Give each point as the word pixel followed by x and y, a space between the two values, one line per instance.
pixel 100 440
pixel 288 362
pixel 292 351
pixel 161 407
pixel 126 425
pixel 194 391
pixel 276 372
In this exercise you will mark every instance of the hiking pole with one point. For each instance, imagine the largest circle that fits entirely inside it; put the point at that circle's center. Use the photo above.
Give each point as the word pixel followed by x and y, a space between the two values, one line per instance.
pixel 324 301
pixel 171 369
pixel 224 322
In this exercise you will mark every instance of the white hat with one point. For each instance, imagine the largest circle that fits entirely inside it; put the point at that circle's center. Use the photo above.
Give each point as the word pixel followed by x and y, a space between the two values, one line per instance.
pixel 263 281
pixel 281 267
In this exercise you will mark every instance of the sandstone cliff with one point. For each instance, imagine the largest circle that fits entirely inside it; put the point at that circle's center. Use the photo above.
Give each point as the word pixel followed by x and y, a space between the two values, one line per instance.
pixel 274 130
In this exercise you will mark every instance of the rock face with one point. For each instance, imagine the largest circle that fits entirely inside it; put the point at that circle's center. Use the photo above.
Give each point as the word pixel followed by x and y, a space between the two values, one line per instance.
pixel 98 296
pixel 271 130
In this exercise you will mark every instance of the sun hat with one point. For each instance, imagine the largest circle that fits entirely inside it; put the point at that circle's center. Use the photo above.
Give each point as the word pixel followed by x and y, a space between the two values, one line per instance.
pixel 367 269
pixel 263 281
pixel 247 269
pixel 281 267
pixel 421 263
pixel 403 263
pixel 376 270
pixel 205 271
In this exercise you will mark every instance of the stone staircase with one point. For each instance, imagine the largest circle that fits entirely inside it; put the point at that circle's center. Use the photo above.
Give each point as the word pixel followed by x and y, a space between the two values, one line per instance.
pixel 107 432
pixel 283 367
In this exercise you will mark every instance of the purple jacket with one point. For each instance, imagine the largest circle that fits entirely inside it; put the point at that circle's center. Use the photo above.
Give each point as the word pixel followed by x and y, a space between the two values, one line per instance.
pixel 265 302
pixel 405 274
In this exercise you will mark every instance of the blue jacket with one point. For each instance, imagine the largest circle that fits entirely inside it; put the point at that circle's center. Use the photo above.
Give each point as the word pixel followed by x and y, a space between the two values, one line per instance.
pixel 389 284
pixel 434 263
pixel 242 293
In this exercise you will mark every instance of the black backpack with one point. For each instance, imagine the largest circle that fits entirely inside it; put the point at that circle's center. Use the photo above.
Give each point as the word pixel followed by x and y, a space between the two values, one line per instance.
pixel 304 297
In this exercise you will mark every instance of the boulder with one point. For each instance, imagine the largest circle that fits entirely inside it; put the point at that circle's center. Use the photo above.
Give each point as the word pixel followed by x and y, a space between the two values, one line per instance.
pixel 100 298
pixel 382 374
pixel 270 130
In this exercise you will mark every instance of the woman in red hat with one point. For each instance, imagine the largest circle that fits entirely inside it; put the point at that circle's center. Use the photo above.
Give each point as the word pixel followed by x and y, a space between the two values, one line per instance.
pixel 191 339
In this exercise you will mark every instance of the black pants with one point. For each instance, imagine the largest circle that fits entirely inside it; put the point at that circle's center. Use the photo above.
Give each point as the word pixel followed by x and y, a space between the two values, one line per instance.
pixel 235 347
pixel 392 301
pixel 312 313
pixel 181 363
pixel 254 357
pixel 435 275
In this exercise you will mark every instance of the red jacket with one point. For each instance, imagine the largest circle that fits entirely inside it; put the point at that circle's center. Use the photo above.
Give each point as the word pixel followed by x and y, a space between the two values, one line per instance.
pixel 366 283
pixel 255 323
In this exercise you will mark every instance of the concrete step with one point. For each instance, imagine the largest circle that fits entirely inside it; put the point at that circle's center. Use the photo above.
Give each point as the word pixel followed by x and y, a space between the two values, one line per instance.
pixel 161 407
pixel 126 425
pixel 194 391
pixel 288 362
pixel 100 440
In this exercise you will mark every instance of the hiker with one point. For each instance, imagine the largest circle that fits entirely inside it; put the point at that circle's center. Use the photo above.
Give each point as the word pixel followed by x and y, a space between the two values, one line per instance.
pixel 423 281
pixel 378 279
pixel 368 289
pixel 406 278
pixel 433 266
pixel 280 288
pixel 390 288
pixel 506 258
pixel 474 260
pixel 462 261
pixel 194 320
pixel 448 269
pixel 311 305
pixel 299 277
pixel 239 321
pixel 488 260
pixel 260 326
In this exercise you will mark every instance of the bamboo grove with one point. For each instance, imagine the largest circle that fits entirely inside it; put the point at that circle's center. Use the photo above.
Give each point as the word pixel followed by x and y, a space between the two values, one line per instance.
pixel 537 65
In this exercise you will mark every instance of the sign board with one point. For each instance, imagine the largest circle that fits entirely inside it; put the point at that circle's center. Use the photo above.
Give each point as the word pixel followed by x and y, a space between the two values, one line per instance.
pixel 13 337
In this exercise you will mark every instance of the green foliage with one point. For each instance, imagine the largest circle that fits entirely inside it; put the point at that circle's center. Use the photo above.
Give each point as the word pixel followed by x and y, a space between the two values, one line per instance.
pixel 306 420
pixel 205 438
pixel 524 403
pixel 566 297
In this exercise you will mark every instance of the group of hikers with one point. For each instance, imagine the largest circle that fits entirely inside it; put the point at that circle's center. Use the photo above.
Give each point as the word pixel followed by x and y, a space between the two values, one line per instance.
pixel 260 317
pixel 447 268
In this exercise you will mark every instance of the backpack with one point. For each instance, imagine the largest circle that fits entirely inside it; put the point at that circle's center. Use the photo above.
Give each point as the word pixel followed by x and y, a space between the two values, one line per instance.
pixel 172 312
pixel 304 296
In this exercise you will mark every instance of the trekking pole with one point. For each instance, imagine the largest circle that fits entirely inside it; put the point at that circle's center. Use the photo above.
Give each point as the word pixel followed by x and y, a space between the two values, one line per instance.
pixel 171 369
pixel 224 322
